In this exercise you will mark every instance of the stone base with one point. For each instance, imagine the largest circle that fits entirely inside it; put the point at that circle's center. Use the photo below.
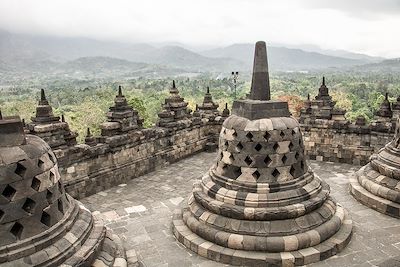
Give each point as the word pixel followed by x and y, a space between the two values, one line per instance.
pixel 374 197
pixel 215 252
pixel 79 240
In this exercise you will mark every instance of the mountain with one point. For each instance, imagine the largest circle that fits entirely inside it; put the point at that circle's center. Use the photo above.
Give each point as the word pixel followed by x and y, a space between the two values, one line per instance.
pixel 282 58
pixel 386 66
pixel 335 53
pixel 49 55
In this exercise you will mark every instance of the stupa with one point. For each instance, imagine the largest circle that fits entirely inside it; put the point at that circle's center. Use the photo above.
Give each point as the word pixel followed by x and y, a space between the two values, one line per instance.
pixel 208 108
pixel 40 224
pixel 49 127
pixel 175 112
pixel 121 117
pixel 260 204
pixel 377 184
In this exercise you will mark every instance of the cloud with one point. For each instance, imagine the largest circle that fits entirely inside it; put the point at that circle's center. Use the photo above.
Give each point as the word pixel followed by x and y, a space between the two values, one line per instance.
pixel 328 24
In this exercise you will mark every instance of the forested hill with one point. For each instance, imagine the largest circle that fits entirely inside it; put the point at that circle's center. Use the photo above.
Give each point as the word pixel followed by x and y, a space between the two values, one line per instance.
pixel 25 54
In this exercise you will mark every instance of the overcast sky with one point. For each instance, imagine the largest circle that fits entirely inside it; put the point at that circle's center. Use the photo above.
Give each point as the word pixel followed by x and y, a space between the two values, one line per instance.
pixel 366 26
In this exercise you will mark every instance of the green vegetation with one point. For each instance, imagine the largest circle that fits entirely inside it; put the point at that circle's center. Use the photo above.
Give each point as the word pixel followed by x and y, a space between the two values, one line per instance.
pixel 85 102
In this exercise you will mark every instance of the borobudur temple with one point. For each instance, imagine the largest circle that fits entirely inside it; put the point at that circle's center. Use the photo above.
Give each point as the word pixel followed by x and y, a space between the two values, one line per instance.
pixel 377 184
pixel 260 204
pixel 40 224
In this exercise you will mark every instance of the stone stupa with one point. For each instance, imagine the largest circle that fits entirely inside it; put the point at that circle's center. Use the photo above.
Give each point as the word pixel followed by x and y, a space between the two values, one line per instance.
pixel 259 203
pixel 40 224
pixel 377 184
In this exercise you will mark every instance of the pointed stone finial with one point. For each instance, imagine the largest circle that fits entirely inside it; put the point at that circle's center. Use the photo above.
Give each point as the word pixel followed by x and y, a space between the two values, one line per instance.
pixel 260 88
pixel 308 97
pixel 88 134
pixel 119 90
pixel 197 107
pixel 23 122
pixel 62 118
pixel 323 80
pixel 226 105
pixel 42 95
pixel 387 96
pixel 173 84
pixel 208 89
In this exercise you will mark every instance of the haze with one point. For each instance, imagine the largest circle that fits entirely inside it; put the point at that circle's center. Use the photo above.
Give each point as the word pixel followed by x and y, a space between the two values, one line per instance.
pixel 363 26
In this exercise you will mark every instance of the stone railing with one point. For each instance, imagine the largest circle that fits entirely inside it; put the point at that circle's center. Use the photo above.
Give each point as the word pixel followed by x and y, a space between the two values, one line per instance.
pixel 329 140
pixel 114 160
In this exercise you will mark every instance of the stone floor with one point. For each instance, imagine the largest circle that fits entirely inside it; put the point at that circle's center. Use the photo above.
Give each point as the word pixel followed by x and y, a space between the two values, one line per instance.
pixel 140 212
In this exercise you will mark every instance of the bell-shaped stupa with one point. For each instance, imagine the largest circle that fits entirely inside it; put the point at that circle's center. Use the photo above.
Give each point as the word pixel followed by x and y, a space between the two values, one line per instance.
pixel 40 224
pixel 377 184
pixel 260 204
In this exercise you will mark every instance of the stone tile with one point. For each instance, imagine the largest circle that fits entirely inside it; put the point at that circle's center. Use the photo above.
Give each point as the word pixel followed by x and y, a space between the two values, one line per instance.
pixel 150 200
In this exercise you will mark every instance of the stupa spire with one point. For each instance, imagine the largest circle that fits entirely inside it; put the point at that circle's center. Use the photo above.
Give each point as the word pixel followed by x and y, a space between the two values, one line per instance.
pixel 208 89
pixel 173 84
pixel 42 95
pixel 88 134
pixel 260 88
pixel 323 80
pixel 120 91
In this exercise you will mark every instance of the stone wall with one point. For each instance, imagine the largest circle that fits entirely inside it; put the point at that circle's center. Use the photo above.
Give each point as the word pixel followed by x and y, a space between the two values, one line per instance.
pixel 90 169
pixel 345 143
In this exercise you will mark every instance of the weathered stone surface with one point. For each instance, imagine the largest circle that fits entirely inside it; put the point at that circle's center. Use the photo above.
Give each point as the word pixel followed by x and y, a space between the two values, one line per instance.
pixel 259 198
pixel 40 224
pixel 377 184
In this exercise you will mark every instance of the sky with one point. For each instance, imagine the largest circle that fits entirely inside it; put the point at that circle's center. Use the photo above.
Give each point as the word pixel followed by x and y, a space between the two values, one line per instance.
pixel 365 26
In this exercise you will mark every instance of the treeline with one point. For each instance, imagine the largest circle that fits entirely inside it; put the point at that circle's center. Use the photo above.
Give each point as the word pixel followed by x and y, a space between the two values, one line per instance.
pixel 85 103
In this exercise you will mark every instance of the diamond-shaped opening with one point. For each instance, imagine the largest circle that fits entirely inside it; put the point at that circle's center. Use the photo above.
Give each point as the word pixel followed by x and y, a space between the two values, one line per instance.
pixel 40 164
pixel 248 160
pixel 237 171
pixel 256 174
pixel 267 160
pixel 234 134
pixel 275 147
pixel 302 165
pixel 60 187
pixel 293 132
pixel 231 157
pixel 282 134
pixel 297 155
pixel 284 159
pixel 20 170
pixel 49 196
pixel 226 144
pixel 1 214
pixel 224 166
pixel 291 146
pixel 275 173
pixel 60 206
pixel 36 184
pixel 292 170
pixel 267 136
pixel 16 230
pixel 249 135
pixel 51 176
pixel 51 158
pixel 9 192
pixel 258 147
pixel 45 219
pixel 239 147
pixel 29 205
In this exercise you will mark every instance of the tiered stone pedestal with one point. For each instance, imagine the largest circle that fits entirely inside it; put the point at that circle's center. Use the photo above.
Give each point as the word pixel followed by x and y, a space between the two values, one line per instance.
pixel 260 204
pixel 41 225
pixel 377 184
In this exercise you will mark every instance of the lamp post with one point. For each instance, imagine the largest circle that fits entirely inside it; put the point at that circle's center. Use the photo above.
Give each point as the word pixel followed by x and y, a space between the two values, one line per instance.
pixel 235 75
